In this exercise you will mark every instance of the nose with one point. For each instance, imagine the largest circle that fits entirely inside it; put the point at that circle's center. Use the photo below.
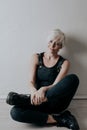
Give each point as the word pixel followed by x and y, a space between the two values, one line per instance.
pixel 52 44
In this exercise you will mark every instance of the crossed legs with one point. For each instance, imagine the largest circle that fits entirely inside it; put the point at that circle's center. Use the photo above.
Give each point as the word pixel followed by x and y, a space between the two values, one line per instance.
pixel 59 98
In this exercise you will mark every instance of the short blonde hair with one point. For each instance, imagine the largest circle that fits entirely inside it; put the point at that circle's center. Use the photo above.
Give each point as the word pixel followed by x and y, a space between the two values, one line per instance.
pixel 57 33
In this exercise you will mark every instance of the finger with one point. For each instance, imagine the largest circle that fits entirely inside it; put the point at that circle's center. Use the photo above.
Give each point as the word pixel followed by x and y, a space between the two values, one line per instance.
pixel 32 99
pixel 45 99
pixel 38 100
pixel 35 102
pixel 42 98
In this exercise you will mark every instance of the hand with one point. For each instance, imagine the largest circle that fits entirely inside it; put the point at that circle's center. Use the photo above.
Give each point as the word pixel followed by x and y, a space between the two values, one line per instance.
pixel 38 97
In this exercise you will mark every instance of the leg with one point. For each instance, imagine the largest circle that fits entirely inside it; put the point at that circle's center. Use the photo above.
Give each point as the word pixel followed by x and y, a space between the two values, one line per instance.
pixel 28 116
pixel 38 115
pixel 63 92
pixel 60 97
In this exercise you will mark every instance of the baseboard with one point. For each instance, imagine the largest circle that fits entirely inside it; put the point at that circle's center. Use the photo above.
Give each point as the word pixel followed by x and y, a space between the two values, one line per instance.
pixel 3 97
pixel 80 98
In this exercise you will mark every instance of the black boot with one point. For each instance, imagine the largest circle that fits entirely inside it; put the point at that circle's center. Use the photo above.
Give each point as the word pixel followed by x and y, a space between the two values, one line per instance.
pixel 17 99
pixel 66 119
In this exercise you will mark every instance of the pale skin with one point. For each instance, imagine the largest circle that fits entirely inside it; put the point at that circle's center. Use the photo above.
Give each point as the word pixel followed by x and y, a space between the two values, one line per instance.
pixel 49 59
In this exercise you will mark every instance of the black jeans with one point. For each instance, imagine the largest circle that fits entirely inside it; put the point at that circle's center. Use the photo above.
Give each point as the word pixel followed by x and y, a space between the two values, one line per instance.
pixel 59 98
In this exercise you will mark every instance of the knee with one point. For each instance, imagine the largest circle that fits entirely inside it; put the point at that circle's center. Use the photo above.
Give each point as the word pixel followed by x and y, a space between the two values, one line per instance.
pixel 15 114
pixel 74 78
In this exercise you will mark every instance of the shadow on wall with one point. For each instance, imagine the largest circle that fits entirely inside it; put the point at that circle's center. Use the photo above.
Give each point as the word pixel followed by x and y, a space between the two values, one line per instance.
pixel 76 52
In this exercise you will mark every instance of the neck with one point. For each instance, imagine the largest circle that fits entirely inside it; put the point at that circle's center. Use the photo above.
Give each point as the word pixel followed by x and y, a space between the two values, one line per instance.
pixel 51 55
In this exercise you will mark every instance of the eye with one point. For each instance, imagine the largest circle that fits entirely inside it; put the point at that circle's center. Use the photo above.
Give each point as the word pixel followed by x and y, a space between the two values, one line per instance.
pixel 59 44
pixel 51 41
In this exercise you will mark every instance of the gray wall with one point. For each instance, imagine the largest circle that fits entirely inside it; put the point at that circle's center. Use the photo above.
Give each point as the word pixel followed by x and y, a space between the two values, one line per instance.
pixel 24 27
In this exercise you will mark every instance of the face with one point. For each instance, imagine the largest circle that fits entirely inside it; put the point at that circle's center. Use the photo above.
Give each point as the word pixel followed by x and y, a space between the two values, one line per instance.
pixel 54 45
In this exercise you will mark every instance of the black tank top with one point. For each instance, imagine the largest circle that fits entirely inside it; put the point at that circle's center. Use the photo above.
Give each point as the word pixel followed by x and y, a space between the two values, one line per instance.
pixel 46 75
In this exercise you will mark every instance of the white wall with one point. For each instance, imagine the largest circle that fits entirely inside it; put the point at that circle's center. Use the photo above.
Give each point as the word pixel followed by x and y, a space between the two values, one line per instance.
pixel 24 26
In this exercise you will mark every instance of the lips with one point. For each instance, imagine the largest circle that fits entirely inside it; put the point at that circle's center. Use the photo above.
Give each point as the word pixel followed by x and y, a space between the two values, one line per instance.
pixel 52 49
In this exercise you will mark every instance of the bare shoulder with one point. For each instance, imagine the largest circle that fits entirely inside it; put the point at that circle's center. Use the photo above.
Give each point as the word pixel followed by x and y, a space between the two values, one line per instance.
pixel 34 58
pixel 66 64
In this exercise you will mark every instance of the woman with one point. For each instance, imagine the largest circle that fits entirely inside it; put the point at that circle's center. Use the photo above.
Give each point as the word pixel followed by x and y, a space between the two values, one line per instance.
pixel 51 89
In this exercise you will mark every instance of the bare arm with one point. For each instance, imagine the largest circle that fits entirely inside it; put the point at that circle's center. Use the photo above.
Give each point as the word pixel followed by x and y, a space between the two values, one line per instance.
pixel 37 96
pixel 32 73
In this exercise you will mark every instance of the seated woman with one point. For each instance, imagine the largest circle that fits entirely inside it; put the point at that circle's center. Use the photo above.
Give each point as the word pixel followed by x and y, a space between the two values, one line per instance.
pixel 51 88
